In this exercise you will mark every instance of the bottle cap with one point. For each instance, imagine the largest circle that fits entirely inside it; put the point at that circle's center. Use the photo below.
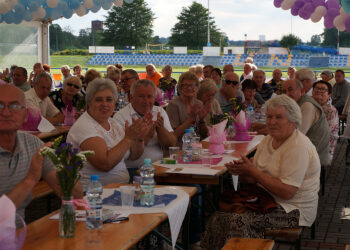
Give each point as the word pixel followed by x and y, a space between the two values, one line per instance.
pixel 94 177
pixel 147 161
pixel 187 130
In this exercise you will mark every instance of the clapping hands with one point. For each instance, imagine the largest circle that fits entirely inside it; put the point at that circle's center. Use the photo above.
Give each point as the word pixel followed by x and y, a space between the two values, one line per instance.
pixel 139 127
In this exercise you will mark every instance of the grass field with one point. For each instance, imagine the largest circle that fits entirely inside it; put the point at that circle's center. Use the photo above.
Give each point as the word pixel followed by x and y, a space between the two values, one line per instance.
pixel 58 61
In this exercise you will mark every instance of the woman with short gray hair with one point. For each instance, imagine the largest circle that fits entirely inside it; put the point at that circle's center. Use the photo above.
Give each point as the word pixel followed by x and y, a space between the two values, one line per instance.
pixel 95 130
pixel 286 173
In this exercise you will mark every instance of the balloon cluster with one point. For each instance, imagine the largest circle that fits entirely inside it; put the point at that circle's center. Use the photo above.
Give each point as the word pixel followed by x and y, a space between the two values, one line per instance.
pixel 16 11
pixel 334 14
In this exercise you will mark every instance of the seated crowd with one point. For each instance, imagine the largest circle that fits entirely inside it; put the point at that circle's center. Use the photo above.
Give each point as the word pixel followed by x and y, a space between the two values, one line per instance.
pixel 301 128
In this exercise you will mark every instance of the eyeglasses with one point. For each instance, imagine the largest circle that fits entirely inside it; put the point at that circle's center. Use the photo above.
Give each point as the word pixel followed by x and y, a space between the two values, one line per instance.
pixel 12 107
pixel 127 79
pixel 73 85
pixel 228 82
pixel 322 90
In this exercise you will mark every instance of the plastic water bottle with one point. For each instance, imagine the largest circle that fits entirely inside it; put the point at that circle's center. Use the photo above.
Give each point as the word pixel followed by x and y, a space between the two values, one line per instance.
pixel 251 114
pixel 94 190
pixel 192 132
pixel 147 183
pixel 121 102
pixel 187 146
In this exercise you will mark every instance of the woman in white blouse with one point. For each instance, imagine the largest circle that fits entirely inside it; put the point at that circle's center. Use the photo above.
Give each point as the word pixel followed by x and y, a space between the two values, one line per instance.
pixel 95 130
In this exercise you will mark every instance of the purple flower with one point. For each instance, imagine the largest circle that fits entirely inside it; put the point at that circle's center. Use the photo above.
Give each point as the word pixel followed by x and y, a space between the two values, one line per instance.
pixel 70 168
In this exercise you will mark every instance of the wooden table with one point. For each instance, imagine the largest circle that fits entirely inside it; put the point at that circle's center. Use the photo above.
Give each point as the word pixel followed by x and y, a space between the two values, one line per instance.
pixel 43 233
pixel 246 243
pixel 240 148
pixel 47 136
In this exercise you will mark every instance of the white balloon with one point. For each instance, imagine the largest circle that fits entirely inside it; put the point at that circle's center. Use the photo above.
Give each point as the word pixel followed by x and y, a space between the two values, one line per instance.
pixel 88 4
pixel 315 17
pixel 4 8
pixel 52 3
pixel 81 11
pixel 287 4
pixel 321 11
pixel 40 13
pixel 339 22
pixel 118 3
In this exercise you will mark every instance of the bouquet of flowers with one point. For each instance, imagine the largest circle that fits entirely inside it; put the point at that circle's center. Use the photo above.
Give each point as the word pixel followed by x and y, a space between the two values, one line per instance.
pixel 238 105
pixel 68 162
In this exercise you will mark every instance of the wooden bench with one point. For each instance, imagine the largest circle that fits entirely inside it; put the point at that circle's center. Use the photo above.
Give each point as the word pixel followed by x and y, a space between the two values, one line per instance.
pixel 42 189
pixel 247 243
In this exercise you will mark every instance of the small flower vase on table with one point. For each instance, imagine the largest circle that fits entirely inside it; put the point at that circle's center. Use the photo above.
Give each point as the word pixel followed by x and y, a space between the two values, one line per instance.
pixel 217 137
pixel 68 163
pixel 241 126
pixel 67 218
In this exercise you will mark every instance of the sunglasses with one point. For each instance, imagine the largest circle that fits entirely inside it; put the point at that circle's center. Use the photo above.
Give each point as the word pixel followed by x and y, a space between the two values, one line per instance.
pixel 73 85
pixel 228 82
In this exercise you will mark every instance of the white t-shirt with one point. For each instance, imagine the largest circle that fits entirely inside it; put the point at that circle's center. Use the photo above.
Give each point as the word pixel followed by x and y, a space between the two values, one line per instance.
pixel 87 127
pixel 47 108
pixel 152 149
pixel 295 163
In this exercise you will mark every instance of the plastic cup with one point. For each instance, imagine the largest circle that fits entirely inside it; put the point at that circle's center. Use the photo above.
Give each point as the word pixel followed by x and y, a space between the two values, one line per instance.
pixel 127 194
pixel 206 159
pixel 174 152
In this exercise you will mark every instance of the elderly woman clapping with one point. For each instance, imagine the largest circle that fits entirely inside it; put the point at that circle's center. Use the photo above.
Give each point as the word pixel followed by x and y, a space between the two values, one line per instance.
pixel 186 110
pixel 206 94
pixel 286 165
pixel 69 94
pixel 96 130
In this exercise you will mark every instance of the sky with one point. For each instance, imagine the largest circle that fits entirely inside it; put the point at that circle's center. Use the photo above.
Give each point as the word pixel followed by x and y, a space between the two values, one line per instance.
pixel 234 17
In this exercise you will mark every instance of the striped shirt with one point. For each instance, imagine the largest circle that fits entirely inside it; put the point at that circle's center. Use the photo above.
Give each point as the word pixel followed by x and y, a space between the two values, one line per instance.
pixel 14 166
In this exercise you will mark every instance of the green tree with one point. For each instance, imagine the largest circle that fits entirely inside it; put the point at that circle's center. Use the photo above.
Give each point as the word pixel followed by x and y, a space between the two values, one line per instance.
pixel 315 40
pixel 61 39
pixel 191 30
pixel 130 25
pixel 330 38
pixel 289 41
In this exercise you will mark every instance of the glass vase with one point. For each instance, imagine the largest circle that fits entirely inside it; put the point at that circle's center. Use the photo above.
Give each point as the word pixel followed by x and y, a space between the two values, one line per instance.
pixel 67 218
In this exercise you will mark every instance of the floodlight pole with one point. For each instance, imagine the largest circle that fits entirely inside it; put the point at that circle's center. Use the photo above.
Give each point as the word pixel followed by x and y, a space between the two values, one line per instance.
pixel 208 44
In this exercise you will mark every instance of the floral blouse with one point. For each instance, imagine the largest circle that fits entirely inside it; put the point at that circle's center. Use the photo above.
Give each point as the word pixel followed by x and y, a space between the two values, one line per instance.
pixel 333 122
pixel 56 97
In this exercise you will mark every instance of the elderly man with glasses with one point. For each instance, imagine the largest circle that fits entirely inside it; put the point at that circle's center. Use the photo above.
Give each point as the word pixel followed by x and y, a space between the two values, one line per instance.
pixel 229 89
pixel 128 77
pixel 21 165
pixel 38 97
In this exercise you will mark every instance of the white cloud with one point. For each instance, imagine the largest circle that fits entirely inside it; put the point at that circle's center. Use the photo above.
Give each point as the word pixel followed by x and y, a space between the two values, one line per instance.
pixel 234 17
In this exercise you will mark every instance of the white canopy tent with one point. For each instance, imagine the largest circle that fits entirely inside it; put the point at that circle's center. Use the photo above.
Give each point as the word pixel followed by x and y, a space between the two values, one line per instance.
pixel 37 15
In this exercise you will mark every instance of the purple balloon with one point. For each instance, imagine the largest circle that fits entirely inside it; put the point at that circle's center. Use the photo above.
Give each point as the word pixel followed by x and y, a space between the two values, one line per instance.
pixel 309 7
pixel 332 13
pixel 319 3
pixel 299 3
pixel 332 4
pixel 347 23
pixel 294 10
pixel 328 23
pixel 277 3
pixel 304 14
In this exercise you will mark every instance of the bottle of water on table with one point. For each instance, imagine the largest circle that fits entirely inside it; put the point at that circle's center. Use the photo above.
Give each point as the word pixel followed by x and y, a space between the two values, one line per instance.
pixel 94 190
pixel 147 183
pixel 121 102
pixel 187 146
